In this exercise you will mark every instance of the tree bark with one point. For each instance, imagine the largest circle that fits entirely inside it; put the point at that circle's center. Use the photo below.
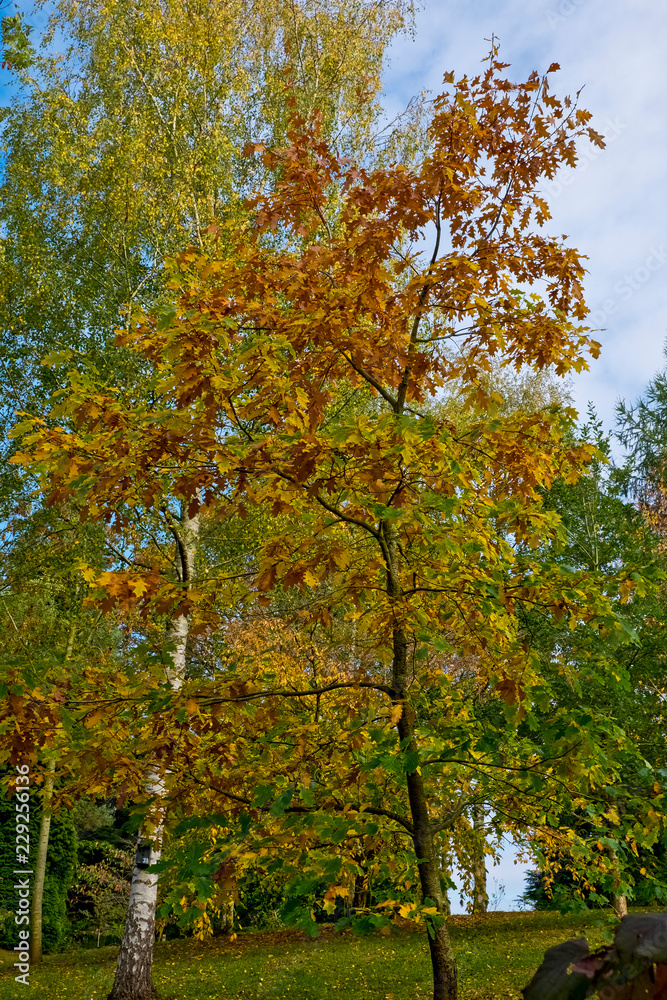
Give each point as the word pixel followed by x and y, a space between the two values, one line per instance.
pixel 480 898
pixel 618 901
pixel 133 979
pixel 43 845
pixel 362 888
pixel 360 898
pixel 40 867
pixel 443 960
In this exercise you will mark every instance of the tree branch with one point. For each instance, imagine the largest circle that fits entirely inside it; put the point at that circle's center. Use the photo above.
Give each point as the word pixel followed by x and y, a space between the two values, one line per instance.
pixel 309 692
pixel 128 562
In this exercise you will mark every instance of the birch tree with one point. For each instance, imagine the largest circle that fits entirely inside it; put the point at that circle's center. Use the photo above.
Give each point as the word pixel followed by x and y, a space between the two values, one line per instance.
pixel 120 149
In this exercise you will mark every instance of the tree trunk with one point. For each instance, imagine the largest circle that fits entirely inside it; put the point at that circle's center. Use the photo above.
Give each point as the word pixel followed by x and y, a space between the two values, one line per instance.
pixel 362 881
pixel 480 898
pixel 359 900
pixel 443 961
pixel 618 901
pixel 133 980
pixel 40 867
pixel 43 845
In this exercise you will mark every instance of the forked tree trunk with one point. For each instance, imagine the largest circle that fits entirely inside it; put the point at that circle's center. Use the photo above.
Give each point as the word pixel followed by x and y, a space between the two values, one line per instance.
pixel 480 898
pixel 40 867
pixel 134 978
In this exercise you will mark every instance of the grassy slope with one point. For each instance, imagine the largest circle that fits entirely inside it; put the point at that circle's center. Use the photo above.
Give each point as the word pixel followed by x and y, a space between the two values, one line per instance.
pixel 497 955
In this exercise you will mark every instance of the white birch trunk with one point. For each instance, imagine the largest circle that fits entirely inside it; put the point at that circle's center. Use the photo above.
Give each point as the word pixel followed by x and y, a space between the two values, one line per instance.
pixel 133 980
pixel 40 867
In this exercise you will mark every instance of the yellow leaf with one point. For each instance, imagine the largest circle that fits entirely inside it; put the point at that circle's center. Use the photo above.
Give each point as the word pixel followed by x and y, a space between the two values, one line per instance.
pixel 396 713
pixel 336 890
pixel 90 720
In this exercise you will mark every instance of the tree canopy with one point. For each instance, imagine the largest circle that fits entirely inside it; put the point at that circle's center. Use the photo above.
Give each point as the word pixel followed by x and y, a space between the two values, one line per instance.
pixel 290 382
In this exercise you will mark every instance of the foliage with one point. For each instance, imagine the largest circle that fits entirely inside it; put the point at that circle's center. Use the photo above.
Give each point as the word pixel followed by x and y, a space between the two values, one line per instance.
pixel 98 895
pixel 427 539
pixel 614 541
pixel 556 888
pixel 260 900
pixel 59 873
pixel 541 894
pixel 17 51
pixel 126 145
pixel 60 867
pixel 642 429
pixel 90 817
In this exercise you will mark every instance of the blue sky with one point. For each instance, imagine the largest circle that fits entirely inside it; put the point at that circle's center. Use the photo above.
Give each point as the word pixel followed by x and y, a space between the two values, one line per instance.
pixel 613 207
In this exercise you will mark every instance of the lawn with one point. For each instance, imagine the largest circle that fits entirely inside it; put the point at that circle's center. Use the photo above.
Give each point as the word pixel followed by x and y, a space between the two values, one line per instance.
pixel 497 955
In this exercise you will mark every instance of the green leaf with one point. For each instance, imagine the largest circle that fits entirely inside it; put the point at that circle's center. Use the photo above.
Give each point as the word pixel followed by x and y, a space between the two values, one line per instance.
pixel 306 795
pixel 282 802
pixel 166 315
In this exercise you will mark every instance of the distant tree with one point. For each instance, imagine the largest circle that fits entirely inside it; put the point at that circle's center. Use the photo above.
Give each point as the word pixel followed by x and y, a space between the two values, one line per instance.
pixel 615 540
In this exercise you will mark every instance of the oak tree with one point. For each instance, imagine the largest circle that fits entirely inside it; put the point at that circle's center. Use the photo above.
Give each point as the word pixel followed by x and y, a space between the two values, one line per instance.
pixel 429 533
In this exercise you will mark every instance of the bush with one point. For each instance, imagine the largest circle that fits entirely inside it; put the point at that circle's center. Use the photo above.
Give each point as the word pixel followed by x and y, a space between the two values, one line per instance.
pixel 60 864
pixel 60 867
pixel 261 897
pixel 97 899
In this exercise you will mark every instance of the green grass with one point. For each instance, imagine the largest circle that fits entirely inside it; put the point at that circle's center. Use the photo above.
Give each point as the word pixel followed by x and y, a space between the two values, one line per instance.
pixel 497 955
